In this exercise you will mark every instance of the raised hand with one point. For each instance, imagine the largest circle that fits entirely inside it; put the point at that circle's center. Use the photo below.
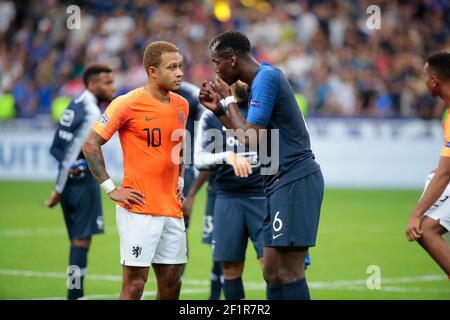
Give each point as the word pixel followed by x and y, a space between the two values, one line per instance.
pixel 221 87
pixel 208 97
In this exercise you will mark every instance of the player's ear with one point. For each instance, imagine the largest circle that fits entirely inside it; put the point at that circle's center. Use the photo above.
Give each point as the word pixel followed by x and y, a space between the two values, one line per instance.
pixel 151 71
pixel 434 81
pixel 233 60
pixel 92 86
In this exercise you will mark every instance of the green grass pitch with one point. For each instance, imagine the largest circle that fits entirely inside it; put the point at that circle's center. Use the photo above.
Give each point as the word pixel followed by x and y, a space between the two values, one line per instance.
pixel 358 228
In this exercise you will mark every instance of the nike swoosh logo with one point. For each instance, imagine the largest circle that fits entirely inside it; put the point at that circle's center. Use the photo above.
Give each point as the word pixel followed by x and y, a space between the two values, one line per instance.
pixel 274 237
pixel 147 118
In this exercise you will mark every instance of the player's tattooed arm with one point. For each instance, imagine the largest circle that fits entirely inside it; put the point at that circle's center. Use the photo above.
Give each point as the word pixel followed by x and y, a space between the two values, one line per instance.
pixel 94 156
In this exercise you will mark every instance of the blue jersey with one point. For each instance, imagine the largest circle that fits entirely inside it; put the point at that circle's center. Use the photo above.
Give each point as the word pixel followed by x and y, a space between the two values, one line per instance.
pixel 73 128
pixel 190 93
pixel 272 105
pixel 211 148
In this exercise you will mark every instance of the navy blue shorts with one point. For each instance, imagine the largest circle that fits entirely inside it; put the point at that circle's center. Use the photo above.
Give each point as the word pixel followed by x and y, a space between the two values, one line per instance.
pixel 208 222
pixel 82 208
pixel 235 220
pixel 293 213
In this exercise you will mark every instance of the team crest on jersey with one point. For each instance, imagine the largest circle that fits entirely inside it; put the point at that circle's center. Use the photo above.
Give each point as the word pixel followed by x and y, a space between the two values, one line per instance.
pixel 447 144
pixel 181 118
pixel 136 251
pixel 103 119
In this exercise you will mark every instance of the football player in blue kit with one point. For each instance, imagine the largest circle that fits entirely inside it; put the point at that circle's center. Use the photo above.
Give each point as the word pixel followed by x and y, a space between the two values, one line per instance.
pixel 239 208
pixel 75 187
pixel 293 181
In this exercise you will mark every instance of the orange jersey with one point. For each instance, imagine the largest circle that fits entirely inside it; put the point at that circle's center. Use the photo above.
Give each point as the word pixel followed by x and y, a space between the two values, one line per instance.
pixel 446 148
pixel 150 134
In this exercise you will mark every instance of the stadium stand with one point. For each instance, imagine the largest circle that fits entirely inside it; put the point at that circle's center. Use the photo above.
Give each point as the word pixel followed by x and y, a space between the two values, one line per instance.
pixel 331 57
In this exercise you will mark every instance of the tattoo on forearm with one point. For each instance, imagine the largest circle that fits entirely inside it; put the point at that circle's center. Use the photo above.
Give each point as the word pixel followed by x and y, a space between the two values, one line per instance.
pixel 94 157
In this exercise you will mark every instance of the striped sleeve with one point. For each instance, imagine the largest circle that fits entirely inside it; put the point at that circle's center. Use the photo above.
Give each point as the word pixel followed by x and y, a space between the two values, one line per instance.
pixel 91 115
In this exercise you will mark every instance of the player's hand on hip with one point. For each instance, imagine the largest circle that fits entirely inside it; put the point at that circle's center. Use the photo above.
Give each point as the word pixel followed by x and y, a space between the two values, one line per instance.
pixel 127 196
pixel 413 231
pixel 208 97
pixel 240 165
pixel 54 199
pixel 221 87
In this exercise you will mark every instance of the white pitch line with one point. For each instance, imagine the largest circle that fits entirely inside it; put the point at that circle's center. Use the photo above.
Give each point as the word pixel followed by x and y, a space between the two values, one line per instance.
pixel 97 277
pixel 350 285
pixel 116 296
pixel 391 289
pixel 41 232
pixel 345 283
pixel 251 288
pixel 26 232
pixel 153 293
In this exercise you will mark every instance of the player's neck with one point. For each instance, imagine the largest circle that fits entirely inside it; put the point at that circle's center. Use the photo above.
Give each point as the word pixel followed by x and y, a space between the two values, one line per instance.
pixel 446 95
pixel 250 67
pixel 157 93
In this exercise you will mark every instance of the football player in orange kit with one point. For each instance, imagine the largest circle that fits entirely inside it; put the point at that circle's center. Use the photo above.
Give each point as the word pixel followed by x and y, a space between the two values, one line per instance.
pixel 151 122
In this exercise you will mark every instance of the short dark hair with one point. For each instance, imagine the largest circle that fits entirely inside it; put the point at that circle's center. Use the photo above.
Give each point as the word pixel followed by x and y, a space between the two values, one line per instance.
pixel 154 51
pixel 439 63
pixel 93 71
pixel 230 42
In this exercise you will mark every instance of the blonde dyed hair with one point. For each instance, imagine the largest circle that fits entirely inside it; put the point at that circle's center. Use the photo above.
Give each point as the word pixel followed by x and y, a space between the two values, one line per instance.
pixel 154 51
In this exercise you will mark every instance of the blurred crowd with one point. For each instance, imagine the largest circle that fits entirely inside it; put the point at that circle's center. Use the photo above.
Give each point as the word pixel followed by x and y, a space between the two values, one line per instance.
pixel 340 66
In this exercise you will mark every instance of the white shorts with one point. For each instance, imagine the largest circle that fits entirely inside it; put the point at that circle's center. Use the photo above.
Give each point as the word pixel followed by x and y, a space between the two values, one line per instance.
pixel 146 239
pixel 440 210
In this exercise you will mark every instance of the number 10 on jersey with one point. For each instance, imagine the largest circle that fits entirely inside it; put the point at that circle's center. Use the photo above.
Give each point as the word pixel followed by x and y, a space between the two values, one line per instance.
pixel 153 137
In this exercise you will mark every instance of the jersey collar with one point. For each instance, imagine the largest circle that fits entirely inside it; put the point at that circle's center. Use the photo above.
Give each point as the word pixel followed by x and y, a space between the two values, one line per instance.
pixel 89 96
pixel 261 66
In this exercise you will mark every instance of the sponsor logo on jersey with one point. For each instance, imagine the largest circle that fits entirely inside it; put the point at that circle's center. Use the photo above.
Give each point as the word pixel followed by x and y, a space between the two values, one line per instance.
pixel 148 118
pixel 67 118
pixel 254 103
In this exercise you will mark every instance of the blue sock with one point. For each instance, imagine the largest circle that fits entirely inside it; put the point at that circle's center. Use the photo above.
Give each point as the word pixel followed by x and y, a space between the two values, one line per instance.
pixel 296 290
pixel 216 281
pixel 274 291
pixel 233 289
pixel 77 270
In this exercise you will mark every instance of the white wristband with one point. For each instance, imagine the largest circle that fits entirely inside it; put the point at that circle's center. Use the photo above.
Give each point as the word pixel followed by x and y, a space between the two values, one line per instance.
pixel 108 185
pixel 225 102
pixel 230 99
